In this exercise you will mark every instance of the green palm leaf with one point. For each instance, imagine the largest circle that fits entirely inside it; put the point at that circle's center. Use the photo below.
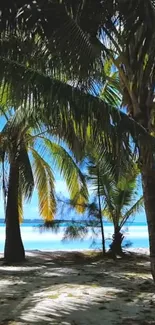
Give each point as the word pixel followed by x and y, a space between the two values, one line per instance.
pixel 57 99
pixel 44 181
pixel 26 174
pixel 136 208
pixel 68 168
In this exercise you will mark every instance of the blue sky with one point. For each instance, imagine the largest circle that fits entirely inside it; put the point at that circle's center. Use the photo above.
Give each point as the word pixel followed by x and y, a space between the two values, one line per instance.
pixel 31 208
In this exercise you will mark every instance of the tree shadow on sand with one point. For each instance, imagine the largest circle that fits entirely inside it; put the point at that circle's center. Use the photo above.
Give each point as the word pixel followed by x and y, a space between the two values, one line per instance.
pixel 75 289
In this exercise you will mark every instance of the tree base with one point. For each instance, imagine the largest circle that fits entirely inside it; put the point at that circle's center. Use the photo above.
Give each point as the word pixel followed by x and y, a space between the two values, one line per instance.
pixel 12 261
pixel 14 253
pixel 116 245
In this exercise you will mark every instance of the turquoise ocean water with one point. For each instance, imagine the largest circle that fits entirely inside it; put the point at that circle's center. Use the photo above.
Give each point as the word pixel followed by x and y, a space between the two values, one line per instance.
pixel 136 233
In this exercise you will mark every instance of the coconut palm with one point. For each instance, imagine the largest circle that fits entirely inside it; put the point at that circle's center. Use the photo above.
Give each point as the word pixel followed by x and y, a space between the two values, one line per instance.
pixel 80 35
pixel 32 156
pixel 113 195
pixel 104 165
pixel 117 195
pixel 121 204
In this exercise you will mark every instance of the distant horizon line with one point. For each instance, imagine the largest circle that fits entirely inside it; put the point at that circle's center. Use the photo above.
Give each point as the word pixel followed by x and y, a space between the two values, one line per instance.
pixel 36 220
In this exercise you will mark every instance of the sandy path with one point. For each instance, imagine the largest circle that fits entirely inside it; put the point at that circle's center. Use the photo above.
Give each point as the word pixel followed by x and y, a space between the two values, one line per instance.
pixel 70 289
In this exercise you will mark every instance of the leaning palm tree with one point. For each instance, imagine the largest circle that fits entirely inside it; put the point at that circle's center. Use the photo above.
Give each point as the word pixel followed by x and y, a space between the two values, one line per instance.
pixel 29 153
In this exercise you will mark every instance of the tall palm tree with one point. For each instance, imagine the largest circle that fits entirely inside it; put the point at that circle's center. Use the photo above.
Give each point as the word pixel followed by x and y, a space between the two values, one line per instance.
pixel 80 35
pixel 105 166
pixel 32 155
pixel 97 166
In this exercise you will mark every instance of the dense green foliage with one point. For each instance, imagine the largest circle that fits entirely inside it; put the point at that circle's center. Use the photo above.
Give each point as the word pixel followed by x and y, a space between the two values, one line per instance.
pixel 52 59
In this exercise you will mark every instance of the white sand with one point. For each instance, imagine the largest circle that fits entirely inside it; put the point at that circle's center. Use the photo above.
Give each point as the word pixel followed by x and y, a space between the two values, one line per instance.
pixel 71 289
pixel 143 251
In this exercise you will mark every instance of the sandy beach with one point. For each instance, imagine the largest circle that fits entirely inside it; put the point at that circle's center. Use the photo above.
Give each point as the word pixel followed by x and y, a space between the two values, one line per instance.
pixel 75 288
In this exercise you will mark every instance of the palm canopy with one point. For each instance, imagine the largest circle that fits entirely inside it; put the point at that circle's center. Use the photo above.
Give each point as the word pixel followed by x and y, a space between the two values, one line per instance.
pixel 118 192
pixel 35 151
pixel 121 203
pixel 72 29
pixel 55 80
pixel 60 20
pixel 28 77
pixel 50 97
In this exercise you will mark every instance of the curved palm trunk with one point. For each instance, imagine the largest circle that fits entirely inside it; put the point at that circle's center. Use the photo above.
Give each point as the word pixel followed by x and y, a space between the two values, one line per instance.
pixel 148 181
pixel 14 250
pixel 116 245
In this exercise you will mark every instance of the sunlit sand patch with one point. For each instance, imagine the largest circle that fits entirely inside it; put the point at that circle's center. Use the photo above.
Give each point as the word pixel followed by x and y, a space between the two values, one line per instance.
pixel 87 292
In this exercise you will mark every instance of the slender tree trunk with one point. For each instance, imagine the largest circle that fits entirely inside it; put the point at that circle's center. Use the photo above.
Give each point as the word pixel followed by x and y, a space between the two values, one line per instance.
pixel 102 234
pixel 148 182
pixel 101 219
pixel 14 250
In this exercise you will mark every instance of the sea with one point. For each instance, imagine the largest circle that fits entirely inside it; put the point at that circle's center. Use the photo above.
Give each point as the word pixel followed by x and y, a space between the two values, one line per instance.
pixel 135 236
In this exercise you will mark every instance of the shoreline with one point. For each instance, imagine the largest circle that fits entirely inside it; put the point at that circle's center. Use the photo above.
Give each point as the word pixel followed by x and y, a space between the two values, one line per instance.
pixel 135 250
pixel 139 250
pixel 33 252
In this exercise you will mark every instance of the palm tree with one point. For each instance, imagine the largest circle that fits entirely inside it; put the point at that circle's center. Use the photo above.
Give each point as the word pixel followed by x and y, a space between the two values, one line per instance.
pixel 113 195
pixel 30 152
pixel 80 36
pixel 117 196
pixel 104 166
pixel 120 205
pixel 98 160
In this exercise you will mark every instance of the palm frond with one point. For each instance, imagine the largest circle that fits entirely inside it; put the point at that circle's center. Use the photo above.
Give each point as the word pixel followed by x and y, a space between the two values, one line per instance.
pixel 69 169
pixel 41 88
pixel 122 198
pixel 107 214
pixel 136 208
pixel 44 181
pixel 25 172
pixel 111 90
pixel 68 28
pixel 100 177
